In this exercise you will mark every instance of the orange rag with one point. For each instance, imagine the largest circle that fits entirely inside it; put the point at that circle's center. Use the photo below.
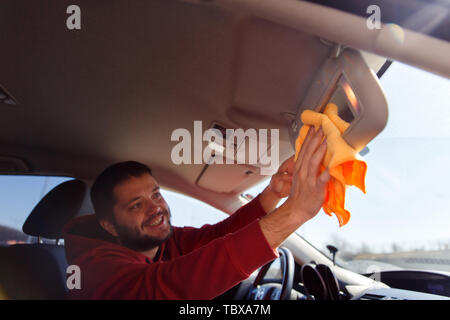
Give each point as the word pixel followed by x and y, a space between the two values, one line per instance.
pixel 345 165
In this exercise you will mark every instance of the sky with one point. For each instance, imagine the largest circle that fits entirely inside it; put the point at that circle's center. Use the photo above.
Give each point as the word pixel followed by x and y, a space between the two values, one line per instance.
pixel 407 200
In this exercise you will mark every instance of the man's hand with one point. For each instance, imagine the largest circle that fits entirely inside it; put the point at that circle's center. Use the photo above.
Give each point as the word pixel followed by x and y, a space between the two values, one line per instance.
pixel 307 192
pixel 279 186
pixel 308 186
pixel 280 183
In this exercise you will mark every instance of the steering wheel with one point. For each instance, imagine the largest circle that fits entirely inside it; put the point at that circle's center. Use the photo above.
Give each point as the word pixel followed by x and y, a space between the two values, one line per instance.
pixel 259 291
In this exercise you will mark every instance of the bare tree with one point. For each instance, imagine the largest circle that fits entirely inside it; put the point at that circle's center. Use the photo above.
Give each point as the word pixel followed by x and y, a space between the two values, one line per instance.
pixel 395 247
pixel 365 248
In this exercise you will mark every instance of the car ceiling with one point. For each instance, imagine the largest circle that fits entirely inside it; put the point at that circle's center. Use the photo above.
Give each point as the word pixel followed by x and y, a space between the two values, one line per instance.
pixel 116 89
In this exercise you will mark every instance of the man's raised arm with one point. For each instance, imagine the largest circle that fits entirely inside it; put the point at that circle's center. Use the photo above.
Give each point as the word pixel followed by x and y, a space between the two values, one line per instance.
pixel 307 193
pixel 278 188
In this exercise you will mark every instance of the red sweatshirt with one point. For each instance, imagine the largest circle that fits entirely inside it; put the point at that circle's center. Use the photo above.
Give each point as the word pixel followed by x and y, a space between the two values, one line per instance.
pixel 192 264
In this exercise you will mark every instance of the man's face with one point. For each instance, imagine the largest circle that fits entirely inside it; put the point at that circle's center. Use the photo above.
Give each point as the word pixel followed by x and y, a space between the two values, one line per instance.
pixel 141 215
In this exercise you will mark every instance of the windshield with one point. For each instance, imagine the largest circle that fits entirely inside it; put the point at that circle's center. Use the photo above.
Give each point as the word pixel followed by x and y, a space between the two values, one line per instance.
pixel 403 221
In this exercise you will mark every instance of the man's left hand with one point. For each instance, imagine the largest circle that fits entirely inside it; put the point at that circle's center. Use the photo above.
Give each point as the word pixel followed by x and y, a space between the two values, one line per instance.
pixel 279 186
pixel 281 182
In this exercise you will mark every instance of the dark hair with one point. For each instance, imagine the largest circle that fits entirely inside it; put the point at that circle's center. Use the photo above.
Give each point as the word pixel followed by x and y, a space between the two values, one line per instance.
pixel 102 195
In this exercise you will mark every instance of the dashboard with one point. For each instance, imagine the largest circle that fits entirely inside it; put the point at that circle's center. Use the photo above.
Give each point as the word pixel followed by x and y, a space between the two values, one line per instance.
pixel 319 282
pixel 432 282
pixel 396 294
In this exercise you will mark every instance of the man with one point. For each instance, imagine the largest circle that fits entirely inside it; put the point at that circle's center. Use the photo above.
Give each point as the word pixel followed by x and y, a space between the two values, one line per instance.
pixel 129 250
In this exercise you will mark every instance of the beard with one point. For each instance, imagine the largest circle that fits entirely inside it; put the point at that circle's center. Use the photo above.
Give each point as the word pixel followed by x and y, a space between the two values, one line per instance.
pixel 135 240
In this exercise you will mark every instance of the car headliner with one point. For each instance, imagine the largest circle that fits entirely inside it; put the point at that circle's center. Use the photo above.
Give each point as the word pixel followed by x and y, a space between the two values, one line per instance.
pixel 116 89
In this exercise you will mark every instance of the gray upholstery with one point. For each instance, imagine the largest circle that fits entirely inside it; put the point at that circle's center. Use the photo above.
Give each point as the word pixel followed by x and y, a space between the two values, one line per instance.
pixel 38 271
pixel 57 207
pixel 33 271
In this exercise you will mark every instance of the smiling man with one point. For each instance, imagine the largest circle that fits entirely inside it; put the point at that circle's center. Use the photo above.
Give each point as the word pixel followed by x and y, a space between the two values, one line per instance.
pixel 129 250
pixel 139 198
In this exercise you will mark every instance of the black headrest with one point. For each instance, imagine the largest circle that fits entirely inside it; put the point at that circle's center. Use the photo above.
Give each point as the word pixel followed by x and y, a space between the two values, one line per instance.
pixel 63 202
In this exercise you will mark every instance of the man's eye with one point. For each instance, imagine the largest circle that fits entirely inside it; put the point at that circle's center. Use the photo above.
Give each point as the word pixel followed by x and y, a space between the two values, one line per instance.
pixel 136 206
pixel 157 195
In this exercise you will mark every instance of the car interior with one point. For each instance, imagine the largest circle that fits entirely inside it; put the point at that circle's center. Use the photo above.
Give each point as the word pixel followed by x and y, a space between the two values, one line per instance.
pixel 75 101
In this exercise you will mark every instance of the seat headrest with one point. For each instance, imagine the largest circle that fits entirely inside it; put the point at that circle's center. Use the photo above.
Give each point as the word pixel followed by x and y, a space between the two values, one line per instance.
pixel 62 203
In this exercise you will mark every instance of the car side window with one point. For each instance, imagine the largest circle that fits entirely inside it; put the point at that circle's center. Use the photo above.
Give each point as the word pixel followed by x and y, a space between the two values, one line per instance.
pixel 190 212
pixel 19 194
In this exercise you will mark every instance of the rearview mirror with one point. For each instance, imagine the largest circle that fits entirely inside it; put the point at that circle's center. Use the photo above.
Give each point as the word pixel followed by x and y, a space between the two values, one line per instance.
pixel 348 82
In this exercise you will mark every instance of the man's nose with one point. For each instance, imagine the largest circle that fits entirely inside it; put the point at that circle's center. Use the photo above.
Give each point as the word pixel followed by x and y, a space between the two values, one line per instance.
pixel 153 208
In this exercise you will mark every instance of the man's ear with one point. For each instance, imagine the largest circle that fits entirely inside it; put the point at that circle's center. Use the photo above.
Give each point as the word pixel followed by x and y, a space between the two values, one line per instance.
pixel 108 226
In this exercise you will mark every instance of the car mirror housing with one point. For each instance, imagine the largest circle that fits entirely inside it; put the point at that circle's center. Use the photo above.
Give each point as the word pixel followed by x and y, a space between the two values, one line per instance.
pixel 347 81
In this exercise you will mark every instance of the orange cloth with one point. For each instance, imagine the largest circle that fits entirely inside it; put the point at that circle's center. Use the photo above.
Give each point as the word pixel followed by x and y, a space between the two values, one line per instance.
pixel 345 165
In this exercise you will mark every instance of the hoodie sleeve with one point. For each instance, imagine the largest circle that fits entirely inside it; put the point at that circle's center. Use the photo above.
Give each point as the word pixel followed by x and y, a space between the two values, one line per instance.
pixel 204 273
pixel 192 238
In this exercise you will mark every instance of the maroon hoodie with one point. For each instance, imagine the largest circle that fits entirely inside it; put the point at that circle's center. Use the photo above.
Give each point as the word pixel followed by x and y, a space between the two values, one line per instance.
pixel 194 263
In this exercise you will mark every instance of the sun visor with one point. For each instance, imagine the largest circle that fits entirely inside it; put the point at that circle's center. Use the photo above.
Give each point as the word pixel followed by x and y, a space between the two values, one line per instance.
pixel 347 81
